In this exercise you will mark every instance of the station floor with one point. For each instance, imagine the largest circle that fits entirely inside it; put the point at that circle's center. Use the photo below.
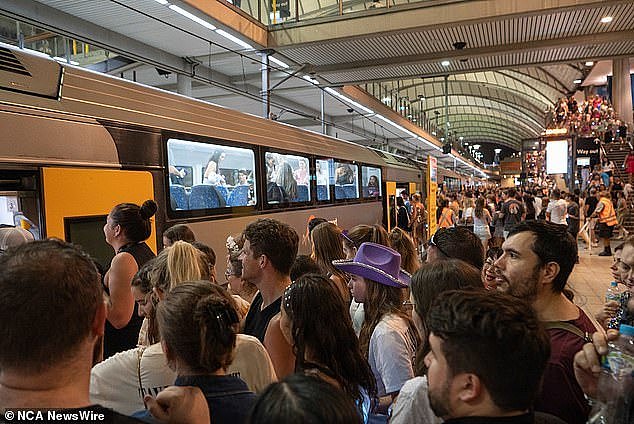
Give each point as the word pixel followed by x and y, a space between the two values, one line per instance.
pixel 591 277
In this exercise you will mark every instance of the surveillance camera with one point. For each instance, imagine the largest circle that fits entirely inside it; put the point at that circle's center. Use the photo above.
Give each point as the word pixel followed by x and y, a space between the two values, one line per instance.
pixel 350 110
pixel 459 45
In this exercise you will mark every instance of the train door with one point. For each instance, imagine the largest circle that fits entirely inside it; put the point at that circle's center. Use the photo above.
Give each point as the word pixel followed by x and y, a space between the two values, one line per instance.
pixel 78 200
pixel 19 200
pixel 389 205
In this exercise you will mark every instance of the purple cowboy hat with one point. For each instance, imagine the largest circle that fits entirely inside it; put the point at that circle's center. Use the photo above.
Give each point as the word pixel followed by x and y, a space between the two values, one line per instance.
pixel 377 263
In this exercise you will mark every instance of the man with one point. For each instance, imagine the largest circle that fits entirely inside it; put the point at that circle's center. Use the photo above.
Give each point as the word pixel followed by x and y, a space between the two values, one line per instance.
pixel 556 209
pixel 408 205
pixel 488 353
pixel 456 243
pixel 607 221
pixel 268 253
pixel 53 312
pixel 512 211
pixel 537 260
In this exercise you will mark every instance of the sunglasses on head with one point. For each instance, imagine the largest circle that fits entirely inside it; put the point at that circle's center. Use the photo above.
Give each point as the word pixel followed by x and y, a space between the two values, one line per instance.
pixel 432 242
pixel 344 235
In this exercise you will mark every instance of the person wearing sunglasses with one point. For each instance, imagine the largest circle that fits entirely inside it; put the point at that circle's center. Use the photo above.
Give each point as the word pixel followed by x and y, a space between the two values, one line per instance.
pixel 457 243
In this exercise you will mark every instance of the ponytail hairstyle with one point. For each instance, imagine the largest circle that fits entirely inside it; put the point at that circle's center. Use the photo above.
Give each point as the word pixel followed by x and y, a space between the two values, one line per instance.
pixel 198 324
pixel 134 220
pixel 403 244
pixel 178 263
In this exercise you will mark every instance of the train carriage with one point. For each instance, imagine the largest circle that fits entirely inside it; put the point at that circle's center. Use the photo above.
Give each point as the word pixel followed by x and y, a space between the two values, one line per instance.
pixel 73 143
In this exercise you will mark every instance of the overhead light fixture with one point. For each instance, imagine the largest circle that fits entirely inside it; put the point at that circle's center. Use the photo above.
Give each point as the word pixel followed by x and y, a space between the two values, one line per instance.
pixel 445 63
pixel 191 16
pixel 589 63
pixel 476 146
pixel 278 62
pixel 461 138
pixel 386 99
pixel 606 19
pixel 577 81
pixel 234 39
pixel 163 2
pixel 311 80
pixel 498 151
pixel 64 60
pixel 347 100
pixel 433 133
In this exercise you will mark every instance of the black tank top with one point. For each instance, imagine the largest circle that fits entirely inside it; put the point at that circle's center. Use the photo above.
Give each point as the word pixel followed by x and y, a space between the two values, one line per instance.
pixel 119 340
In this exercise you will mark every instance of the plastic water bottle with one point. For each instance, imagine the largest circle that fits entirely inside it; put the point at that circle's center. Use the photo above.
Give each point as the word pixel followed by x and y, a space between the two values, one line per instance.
pixel 615 391
pixel 613 292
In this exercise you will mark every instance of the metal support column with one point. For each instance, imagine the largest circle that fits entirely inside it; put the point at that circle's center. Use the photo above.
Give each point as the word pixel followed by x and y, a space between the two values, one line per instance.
pixel 446 108
pixel 184 85
pixel 323 113
pixel 265 92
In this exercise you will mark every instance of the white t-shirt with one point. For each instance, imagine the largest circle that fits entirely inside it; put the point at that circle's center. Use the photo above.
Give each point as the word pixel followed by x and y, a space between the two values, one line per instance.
pixel 412 404
pixel 391 354
pixel 357 313
pixel 537 203
pixel 557 210
pixel 114 383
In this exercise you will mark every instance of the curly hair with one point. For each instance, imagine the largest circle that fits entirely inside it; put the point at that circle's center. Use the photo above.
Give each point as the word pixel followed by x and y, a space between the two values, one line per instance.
pixel 276 240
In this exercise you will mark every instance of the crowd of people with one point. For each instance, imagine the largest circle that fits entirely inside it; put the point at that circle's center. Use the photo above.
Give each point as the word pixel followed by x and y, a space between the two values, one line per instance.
pixel 593 116
pixel 468 324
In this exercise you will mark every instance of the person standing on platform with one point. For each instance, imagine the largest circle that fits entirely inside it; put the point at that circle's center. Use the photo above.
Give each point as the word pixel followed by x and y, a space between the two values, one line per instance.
pixel 607 221
pixel 556 209
pixel 268 252
pixel 537 259
pixel 512 211
pixel 127 227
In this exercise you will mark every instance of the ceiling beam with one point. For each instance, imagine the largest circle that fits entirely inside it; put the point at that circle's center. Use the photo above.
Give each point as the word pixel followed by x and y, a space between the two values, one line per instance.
pixel 456 55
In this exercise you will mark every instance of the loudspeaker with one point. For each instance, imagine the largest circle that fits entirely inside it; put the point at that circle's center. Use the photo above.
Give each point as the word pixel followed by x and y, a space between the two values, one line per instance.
pixel 446 148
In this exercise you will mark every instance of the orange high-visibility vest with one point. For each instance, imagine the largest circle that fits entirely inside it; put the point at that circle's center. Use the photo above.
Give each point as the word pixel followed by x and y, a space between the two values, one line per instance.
pixel 607 214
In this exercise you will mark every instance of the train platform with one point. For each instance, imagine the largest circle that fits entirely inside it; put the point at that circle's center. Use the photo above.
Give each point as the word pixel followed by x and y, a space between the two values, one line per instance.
pixel 591 277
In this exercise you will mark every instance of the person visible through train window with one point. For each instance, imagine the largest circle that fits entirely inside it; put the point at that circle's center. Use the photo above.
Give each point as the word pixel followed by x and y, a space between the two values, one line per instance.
pixel 388 336
pixel 178 232
pixel 327 247
pixel 344 174
pixel 287 182
pixel 126 229
pixel 198 324
pixel 212 174
pixel 374 190
pixel 315 321
pixel 301 173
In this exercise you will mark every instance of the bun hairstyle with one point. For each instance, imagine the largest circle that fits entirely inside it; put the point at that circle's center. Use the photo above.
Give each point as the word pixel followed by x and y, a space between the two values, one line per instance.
pixel 198 324
pixel 134 220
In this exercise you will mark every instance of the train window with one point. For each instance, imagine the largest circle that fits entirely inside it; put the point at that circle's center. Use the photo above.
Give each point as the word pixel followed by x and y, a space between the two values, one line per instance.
pixel 287 178
pixel 371 178
pixel 346 181
pixel 325 175
pixel 209 176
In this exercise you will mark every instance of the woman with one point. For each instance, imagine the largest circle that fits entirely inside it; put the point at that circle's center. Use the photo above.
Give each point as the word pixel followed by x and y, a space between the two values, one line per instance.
pixel 488 274
pixel 419 220
pixel 412 404
pixel 402 217
pixel 126 229
pixel 529 206
pixel 351 241
pixel 482 221
pixel 403 244
pixel 211 176
pixel 373 186
pixel 572 212
pixel 176 264
pixel 327 247
pixel 121 381
pixel 178 232
pixel 198 324
pixel 315 321
pixel 344 174
pixel 629 164
pixel 301 174
pixel 388 336
pixel 286 180
pixel 446 217
pixel 237 286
